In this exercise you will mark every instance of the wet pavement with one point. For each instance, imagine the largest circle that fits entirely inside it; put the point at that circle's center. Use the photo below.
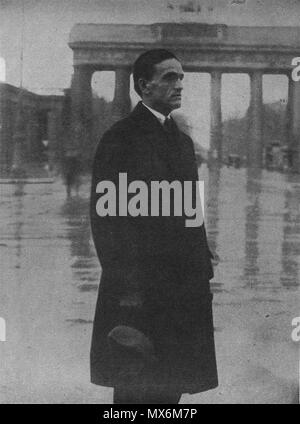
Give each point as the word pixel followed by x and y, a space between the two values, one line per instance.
pixel 50 275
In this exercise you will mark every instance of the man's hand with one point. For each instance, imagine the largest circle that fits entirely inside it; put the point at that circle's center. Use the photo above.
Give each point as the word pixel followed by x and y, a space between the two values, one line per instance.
pixel 132 300
pixel 215 259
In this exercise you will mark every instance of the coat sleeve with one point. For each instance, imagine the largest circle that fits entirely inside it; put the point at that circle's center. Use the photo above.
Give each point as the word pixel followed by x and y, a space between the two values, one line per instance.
pixel 203 235
pixel 117 238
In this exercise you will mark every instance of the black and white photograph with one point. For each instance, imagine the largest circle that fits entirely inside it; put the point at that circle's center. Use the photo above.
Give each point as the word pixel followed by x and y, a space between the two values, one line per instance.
pixel 149 202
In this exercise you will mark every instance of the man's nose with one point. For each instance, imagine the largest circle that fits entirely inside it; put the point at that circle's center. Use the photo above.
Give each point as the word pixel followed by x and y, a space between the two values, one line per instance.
pixel 179 85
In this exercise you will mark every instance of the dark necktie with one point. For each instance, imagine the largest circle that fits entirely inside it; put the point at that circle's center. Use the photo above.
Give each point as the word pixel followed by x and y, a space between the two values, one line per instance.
pixel 169 126
pixel 173 147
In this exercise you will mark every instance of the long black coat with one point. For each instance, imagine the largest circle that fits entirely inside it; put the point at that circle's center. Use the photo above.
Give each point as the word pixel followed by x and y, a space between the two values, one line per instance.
pixel 156 259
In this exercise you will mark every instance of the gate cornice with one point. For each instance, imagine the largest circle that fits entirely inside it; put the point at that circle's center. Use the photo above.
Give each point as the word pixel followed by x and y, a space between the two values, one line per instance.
pixel 200 47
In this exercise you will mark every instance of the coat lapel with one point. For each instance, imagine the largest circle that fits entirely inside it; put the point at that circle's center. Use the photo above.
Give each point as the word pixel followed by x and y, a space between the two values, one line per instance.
pixel 171 149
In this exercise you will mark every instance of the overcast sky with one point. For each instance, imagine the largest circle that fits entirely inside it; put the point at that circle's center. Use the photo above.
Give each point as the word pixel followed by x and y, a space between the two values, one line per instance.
pixel 47 65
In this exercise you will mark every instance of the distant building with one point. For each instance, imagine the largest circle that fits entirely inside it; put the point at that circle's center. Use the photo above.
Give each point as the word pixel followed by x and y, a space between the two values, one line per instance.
pixel 277 151
pixel 42 116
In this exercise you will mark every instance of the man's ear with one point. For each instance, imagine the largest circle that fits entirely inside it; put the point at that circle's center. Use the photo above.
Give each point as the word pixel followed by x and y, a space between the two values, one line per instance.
pixel 144 86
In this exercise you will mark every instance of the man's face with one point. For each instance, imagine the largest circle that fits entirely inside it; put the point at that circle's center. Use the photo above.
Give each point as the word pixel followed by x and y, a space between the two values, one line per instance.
pixel 163 91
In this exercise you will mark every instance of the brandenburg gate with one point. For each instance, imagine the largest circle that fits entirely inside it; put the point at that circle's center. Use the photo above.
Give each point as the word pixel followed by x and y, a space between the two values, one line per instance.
pixel 215 49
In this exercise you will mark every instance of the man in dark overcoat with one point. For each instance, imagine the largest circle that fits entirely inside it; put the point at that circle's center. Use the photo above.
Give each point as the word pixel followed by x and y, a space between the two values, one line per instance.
pixel 153 329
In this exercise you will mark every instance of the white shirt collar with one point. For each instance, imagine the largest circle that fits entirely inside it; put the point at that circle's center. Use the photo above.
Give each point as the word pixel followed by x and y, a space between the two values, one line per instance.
pixel 158 115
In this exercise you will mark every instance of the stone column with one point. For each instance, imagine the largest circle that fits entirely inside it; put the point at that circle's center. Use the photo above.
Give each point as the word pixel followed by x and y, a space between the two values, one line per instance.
pixel 255 141
pixel 216 115
pixel 293 111
pixel 29 140
pixel 81 105
pixel 121 102
pixel 5 133
pixel 13 109
pixel 34 135
pixel 289 118
pixel 19 134
pixel 52 133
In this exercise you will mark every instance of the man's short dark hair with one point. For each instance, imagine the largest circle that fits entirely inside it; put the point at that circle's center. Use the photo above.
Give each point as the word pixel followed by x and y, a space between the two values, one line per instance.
pixel 144 65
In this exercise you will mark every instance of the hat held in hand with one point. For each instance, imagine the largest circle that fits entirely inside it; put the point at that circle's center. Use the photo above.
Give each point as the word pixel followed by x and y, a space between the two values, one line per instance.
pixel 133 340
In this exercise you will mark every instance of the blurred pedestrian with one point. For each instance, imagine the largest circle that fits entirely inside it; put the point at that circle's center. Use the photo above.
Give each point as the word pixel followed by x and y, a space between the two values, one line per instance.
pixel 71 172
pixel 71 163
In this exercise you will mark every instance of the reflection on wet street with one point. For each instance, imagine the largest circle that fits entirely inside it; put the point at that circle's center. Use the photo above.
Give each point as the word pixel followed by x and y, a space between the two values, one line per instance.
pixel 50 276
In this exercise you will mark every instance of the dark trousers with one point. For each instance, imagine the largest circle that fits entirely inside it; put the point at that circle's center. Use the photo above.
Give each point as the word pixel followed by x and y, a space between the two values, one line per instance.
pixel 145 394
